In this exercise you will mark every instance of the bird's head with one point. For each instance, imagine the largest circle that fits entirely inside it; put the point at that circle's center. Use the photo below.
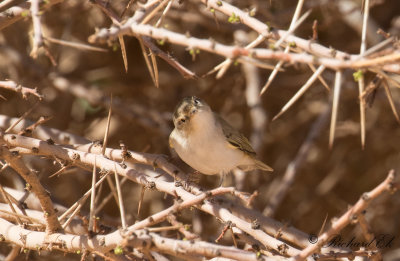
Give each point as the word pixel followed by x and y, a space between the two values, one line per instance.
pixel 190 112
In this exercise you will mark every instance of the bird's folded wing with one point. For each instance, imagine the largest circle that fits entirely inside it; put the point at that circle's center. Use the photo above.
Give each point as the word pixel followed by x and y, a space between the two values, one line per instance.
pixel 235 138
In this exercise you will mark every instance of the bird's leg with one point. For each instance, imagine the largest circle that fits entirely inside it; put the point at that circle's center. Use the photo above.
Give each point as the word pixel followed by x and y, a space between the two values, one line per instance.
pixel 223 175
pixel 192 177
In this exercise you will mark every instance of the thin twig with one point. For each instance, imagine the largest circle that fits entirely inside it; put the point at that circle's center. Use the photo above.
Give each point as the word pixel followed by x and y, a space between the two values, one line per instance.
pixel 22 117
pixel 223 67
pixel 33 220
pixel 30 129
pixel 155 11
pixel 361 82
pixel 222 234
pixel 7 199
pixel 155 68
pixel 58 172
pixel 335 106
pixel 105 139
pixel 162 215
pixel 80 46
pixel 127 7
pixel 184 229
pixel 293 26
pixel 120 200
pixel 12 86
pixel 300 92
pixel 92 198
pixel 142 191
pixel 76 207
pixel 105 200
pixel 164 13
pixel 148 62
pixel 390 98
pixel 186 73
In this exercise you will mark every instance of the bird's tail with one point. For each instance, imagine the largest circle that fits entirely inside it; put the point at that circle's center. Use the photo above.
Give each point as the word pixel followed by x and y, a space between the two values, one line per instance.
pixel 261 165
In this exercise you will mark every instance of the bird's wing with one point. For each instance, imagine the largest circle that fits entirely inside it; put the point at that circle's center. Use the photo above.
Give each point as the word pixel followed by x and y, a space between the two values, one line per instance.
pixel 234 137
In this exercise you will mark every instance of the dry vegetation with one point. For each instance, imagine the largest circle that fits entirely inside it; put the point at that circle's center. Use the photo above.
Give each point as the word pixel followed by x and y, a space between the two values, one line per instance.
pixel 81 181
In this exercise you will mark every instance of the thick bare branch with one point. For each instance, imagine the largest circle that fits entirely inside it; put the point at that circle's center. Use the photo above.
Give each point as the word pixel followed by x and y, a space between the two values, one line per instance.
pixel 52 224
pixel 139 239
pixel 147 178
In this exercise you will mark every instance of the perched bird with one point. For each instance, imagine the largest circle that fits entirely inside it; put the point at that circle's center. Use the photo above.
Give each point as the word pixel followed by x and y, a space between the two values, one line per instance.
pixel 207 143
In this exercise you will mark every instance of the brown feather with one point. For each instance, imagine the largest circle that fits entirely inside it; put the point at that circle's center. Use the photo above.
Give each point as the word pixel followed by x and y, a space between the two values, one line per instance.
pixel 234 137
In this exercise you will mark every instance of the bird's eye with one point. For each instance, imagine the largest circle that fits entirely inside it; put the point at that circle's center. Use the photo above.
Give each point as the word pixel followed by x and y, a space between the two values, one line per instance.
pixel 182 120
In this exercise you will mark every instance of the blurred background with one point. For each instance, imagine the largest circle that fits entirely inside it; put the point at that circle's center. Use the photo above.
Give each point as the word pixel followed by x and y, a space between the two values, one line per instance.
pixel 77 84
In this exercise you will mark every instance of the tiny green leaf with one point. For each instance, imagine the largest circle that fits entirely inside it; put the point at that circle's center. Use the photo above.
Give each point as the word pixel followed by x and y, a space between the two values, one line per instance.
pixel 161 42
pixel 233 18
pixel 25 13
pixel 28 187
pixel 115 47
pixel 118 250
pixel 357 75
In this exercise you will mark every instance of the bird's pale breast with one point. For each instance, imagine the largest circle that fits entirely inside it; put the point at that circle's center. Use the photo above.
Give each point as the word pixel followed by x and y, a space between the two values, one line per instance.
pixel 207 150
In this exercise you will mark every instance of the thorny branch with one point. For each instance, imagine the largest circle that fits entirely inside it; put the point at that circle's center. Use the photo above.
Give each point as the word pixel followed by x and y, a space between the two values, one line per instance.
pixel 146 177
pixel 311 53
pixel 12 86
pixel 16 13
pixel 139 239
pixel 236 52
pixel 350 215
pixel 266 236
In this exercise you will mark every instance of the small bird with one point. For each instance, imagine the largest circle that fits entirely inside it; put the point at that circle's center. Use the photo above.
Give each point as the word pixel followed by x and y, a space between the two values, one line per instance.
pixel 207 143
